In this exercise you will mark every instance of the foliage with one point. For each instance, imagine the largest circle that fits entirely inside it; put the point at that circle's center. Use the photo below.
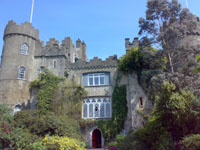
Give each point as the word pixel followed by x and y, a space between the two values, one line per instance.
pixel 174 107
pixel 67 99
pixel 5 113
pixel 36 146
pixel 47 84
pixel 164 25
pixel 197 69
pixel 86 123
pixel 15 139
pixel 131 142
pixel 112 127
pixel 114 143
pixel 12 138
pixel 161 139
pixel 49 123
pixel 145 62
pixel 175 116
pixel 132 61
pixel 191 142
pixel 63 143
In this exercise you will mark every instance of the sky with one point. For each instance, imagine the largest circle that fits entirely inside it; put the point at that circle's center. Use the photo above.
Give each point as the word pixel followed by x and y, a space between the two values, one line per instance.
pixel 102 24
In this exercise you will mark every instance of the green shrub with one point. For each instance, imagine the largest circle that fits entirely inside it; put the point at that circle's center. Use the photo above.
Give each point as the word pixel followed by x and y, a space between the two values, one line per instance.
pixel 5 113
pixel 131 142
pixel 36 146
pixel 191 142
pixel 132 61
pixel 16 139
pixel 49 123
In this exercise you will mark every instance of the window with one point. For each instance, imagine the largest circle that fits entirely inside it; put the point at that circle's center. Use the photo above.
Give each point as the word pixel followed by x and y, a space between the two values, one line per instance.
pixel 21 72
pixel 96 79
pixel 24 49
pixel 97 108
pixel 54 64
pixel 140 102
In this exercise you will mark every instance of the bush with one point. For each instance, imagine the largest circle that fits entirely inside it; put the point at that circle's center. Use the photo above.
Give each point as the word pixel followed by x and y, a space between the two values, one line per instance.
pixel 51 124
pixel 132 61
pixel 16 139
pixel 191 142
pixel 115 142
pixel 131 142
pixel 5 113
pixel 36 146
pixel 62 143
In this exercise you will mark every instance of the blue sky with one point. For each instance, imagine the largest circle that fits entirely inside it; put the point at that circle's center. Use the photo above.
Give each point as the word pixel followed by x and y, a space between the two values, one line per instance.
pixel 102 24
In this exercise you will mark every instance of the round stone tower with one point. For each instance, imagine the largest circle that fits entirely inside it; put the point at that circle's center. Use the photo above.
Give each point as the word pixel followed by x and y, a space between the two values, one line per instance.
pixel 17 63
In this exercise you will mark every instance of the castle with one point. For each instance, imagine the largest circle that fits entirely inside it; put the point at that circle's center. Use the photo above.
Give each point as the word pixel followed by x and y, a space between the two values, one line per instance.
pixel 24 56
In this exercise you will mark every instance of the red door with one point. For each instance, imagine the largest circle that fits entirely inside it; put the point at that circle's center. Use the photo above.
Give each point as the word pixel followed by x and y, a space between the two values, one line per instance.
pixel 96 139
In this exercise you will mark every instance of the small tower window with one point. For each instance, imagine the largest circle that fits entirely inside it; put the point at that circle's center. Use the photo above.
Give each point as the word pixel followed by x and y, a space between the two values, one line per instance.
pixel 24 49
pixel 21 72
pixel 141 102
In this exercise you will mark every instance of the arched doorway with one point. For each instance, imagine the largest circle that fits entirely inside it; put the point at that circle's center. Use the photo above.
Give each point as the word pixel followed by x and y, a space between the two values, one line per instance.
pixel 96 139
pixel 17 108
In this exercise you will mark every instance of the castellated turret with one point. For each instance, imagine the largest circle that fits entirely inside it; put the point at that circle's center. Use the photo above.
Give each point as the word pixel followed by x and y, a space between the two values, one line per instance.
pixel 191 37
pixel 17 62
pixel 131 45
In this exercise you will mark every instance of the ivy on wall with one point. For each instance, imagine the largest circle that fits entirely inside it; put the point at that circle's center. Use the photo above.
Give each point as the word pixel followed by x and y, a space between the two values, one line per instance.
pixel 111 128
pixel 46 84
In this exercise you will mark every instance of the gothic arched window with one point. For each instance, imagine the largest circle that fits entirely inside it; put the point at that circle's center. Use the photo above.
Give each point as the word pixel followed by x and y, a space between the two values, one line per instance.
pixel 21 72
pixel 24 49
pixel 99 107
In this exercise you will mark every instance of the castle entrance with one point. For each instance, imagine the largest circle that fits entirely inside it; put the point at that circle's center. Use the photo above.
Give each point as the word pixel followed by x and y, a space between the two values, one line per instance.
pixel 96 139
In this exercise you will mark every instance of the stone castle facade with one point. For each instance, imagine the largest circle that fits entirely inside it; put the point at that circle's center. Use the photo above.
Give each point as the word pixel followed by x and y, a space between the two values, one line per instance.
pixel 24 56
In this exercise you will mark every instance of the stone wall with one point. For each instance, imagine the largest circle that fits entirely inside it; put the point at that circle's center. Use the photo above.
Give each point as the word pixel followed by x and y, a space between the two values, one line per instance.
pixel 135 118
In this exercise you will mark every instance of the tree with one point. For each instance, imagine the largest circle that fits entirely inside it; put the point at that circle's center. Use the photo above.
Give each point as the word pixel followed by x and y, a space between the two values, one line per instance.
pixel 164 25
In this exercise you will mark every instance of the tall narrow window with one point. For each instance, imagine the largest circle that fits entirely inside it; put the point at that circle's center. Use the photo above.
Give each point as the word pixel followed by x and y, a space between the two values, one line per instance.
pixel 21 72
pixel 102 110
pixel 140 102
pixel 54 64
pixel 90 110
pixel 85 111
pixel 24 49
pixel 108 110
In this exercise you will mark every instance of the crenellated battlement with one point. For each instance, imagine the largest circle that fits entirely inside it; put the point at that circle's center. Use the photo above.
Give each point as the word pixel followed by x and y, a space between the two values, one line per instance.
pixel 130 45
pixel 95 63
pixel 25 29
pixel 53 43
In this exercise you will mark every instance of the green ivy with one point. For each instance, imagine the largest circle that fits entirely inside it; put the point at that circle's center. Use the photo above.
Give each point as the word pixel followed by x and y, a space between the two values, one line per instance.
pixel 46 84
pixel 132 61
pixel 113 127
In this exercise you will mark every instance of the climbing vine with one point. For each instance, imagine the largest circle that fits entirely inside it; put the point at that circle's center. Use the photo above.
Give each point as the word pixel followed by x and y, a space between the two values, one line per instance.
pixel 111 128
pixel 46 83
